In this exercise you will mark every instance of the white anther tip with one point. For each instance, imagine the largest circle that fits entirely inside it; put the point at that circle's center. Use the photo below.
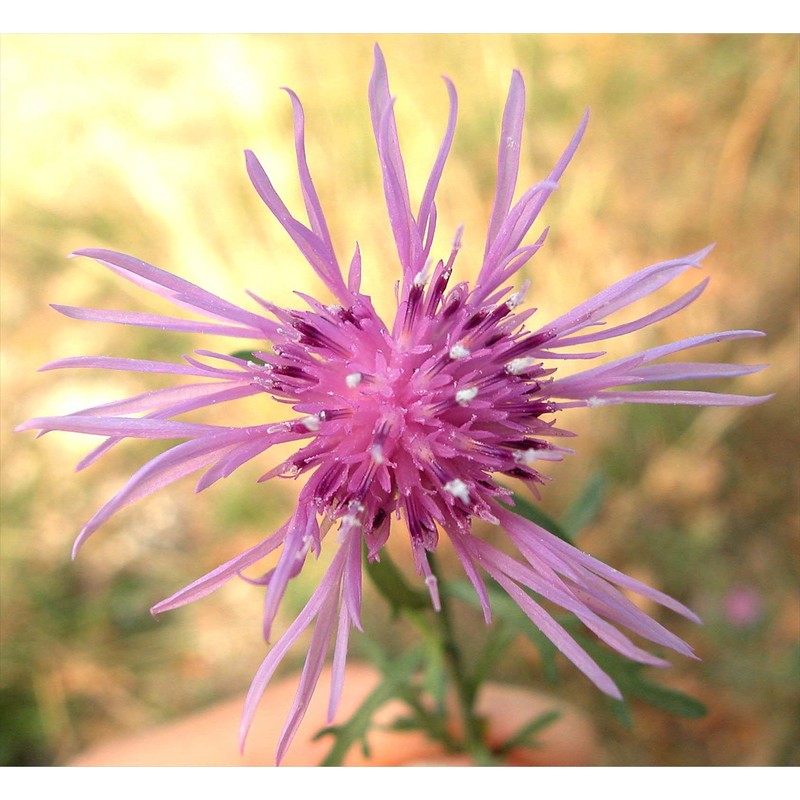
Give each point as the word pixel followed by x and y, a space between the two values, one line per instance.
pixel 463 396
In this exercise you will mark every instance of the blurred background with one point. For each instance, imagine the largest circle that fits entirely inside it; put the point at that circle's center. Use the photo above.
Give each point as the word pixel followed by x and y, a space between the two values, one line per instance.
pixel 135 143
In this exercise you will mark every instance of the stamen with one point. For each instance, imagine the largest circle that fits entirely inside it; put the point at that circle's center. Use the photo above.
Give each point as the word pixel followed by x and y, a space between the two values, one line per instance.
pixel 452 305
pixel 526 457
pixel 458 351
pixel 518 297
pixel 478 317
pixel 294 372
pixel 437 290
pixel 459 489
pixel 380 516
pixel 310 423
pixel 347 315
pixel 519 365
pixel 331 414
pixel 433 590
pixel 463 396
pixel 421 278
pixel 351 519
pixel 376 453
pixel 353 379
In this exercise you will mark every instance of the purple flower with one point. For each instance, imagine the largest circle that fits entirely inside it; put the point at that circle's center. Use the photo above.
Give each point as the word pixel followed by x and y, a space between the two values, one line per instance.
pixel 425 417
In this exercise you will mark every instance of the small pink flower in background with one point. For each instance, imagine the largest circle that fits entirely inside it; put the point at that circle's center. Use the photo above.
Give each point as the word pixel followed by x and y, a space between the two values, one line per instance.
pixel 425 417
pixel 742 606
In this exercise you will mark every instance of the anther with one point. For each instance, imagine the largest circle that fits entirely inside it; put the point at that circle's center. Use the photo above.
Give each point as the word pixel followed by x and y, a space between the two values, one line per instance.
pixel 463 396
pixel 458 351
pixel 518 297
pixel 310 423
pixel 421 278
pixel 519 365
pixel 458 488
pixel 526 457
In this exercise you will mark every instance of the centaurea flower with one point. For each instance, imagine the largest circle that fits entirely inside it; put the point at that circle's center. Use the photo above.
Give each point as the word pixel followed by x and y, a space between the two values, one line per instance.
pixel 424 418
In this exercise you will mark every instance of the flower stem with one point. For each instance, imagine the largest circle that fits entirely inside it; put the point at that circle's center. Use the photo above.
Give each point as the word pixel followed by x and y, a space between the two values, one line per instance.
pixel 466 690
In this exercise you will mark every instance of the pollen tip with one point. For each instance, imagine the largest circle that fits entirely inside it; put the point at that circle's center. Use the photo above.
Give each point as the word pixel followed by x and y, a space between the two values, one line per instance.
pixel 433 589
pixel 311 423
pixel 458 351
pixel 526 457
pixel 464 396
pixel 518 365
pixel 595 402
pixel 421 278
pixel 458 488
pixel 353 379
pixel 518 297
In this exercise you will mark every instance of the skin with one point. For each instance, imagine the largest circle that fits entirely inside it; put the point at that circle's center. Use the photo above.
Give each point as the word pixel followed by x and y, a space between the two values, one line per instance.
pixel 209 738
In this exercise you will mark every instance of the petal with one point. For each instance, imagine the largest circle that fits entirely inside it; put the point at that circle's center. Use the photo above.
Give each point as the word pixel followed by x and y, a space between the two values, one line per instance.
pixel 425 218
pixel 158 321
pixel 316 251
pixel 508 156
pixel 339 660
pixel 520 218
pixel 183 459
pixel 139 428
pixel 313 208
pixel 629 327
pixel 395 186
pixel 127 364
pixel 312 668
pixel 621 294
pixel 177 290
pixel 328 587
pixel 214 579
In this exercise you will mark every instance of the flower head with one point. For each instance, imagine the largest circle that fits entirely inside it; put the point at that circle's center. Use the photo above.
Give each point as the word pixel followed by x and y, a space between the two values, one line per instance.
pixel 423 418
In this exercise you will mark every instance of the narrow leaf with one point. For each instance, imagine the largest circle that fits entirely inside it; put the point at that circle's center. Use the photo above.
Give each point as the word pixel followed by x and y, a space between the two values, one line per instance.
pixel 526 735
pixel 587 506
pixel 389 581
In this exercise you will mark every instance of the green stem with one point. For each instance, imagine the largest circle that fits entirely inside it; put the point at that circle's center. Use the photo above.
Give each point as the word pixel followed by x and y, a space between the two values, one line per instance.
pixel 466 691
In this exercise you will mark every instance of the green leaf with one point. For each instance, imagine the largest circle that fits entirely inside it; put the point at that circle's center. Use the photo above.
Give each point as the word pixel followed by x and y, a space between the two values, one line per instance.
pixel 505 609
pixel 526 735
pixel 433 725
pixel 632 682
pixel 435 678
pixel 500 638
pixel 534 514
pixel 588 504
pixel 247 355
pixel 389 581
pixel 396 676
pixel 621 712
pixel 671 700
